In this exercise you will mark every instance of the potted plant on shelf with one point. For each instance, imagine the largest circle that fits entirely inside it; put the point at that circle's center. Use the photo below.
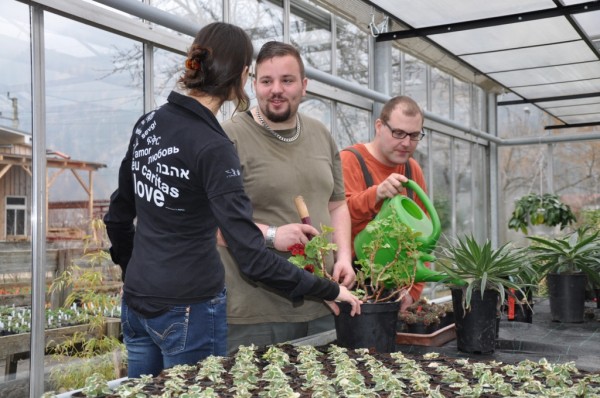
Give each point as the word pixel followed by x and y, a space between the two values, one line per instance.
pixel 540 209
pixel 568 263
pixel 487 274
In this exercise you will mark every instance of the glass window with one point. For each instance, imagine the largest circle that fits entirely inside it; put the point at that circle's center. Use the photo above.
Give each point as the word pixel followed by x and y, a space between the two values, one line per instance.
pixel 462 102
pixel 317 108
pixel 441 187
pixel 310 32
pixel 415 80
pixel 15 64
pixel 397 56
pixel 92 102
pixel 262 20
pixel 463 204
pixel 16 127
pixel 200 12
pixel 421 155
pixel 168 67
pixel 479 189
pixel 352 125
pixel 352 58
pixel 440 93
pixel 16 209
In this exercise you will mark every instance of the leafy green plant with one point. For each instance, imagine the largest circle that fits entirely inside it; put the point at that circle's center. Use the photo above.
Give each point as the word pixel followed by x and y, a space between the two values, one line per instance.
pixel 536 209
pixel 484 268
pixel 311 256
pixel 378 282
pixel 80 356
pixel 573 253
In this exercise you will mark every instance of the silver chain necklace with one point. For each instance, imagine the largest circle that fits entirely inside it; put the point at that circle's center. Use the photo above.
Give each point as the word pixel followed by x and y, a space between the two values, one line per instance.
pixel 279 136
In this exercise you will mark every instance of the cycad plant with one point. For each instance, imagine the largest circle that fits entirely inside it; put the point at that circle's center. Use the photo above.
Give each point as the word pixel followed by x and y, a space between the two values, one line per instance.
pixel 574 253
pixel 483 268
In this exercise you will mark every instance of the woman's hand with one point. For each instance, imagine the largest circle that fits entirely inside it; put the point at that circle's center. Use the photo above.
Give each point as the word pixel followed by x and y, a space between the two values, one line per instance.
pixel 347 297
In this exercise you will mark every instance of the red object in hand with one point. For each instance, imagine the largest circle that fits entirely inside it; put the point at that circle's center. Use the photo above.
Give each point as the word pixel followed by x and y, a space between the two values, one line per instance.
pixel 297 249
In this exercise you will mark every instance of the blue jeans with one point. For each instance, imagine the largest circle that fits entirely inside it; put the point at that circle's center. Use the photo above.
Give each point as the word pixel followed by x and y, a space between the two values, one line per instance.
pixel 185 334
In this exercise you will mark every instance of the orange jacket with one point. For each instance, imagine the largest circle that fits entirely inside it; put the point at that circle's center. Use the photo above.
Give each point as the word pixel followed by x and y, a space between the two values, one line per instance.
pixel 361 200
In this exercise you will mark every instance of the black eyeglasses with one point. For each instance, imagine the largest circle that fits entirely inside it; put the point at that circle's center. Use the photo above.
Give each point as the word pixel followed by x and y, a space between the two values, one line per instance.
pixel 401 134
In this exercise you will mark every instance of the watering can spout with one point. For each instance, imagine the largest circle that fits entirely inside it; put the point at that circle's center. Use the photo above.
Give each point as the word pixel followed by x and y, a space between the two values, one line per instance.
pixel 425 274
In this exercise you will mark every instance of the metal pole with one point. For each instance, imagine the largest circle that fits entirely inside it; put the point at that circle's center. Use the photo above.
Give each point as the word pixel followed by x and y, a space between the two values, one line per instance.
pixel 38 206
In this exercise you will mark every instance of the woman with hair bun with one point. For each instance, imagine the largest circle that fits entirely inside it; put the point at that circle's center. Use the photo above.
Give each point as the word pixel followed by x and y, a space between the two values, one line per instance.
pixel 179 181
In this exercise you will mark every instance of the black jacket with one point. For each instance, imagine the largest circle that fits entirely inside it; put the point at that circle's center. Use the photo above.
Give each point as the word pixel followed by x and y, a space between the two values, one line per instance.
pixel 180 180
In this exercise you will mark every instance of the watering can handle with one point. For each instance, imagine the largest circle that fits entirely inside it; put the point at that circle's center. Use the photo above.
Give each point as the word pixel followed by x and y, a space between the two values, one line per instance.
pixel 435 220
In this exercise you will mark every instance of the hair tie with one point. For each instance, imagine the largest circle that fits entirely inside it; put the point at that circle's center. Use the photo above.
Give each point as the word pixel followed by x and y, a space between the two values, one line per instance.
pixel 193 64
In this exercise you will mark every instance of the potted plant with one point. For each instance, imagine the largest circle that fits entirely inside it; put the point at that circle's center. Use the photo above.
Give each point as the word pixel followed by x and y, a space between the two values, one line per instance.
pixel 540 209
pixel 392 252
pixel 568 263
pixel 487 274
pixel 422 317
pixel 380 285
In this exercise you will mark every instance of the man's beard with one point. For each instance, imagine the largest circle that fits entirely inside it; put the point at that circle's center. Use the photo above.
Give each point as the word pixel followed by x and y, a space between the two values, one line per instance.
pixel 277 117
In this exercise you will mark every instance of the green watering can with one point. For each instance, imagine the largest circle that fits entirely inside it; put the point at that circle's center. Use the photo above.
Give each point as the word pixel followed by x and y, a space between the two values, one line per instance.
pixel 409 213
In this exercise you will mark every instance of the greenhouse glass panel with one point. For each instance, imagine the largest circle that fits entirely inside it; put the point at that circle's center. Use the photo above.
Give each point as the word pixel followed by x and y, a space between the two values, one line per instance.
pixel 15 180
pixel 463 175
pixel 15 64
pixel 352 125
pixel 262 20
pixel 92 100
pixel 168 68
pixel 442 174
pixel 317 108
pixel 415 80
pixel 462 102
pixel 199 12
pixel 310 32
pixel 352 56
pixel 440 93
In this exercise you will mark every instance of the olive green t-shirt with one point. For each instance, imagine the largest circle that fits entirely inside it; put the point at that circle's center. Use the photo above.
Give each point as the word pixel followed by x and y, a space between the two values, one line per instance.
pixel 274 173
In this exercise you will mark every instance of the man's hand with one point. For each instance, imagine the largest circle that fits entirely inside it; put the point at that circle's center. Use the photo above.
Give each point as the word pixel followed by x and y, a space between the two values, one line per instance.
pixel 290 234
pixel 391 186
pixel 343 273
pixel 406 301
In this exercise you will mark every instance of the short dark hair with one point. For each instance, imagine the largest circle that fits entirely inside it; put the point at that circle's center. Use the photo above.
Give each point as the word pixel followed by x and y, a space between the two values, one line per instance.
pixel 272 49
pixel 215 63
pixel 409 108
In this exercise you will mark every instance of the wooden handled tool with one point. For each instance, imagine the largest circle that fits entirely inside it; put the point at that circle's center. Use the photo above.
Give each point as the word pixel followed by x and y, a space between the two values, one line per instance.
pixel 302 210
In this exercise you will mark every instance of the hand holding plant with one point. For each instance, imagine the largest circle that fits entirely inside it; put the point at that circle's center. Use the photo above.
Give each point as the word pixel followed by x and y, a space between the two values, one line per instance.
pixel 311 256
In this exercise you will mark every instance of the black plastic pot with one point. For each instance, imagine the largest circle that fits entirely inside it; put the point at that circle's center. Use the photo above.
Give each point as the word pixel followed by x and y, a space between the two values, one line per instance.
pixel 567 297
pixel 476 330
pixel 446 320
pixel 374 328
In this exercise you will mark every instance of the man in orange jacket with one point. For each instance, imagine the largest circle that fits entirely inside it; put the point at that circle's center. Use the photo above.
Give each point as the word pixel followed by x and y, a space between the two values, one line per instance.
pixel 388 162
